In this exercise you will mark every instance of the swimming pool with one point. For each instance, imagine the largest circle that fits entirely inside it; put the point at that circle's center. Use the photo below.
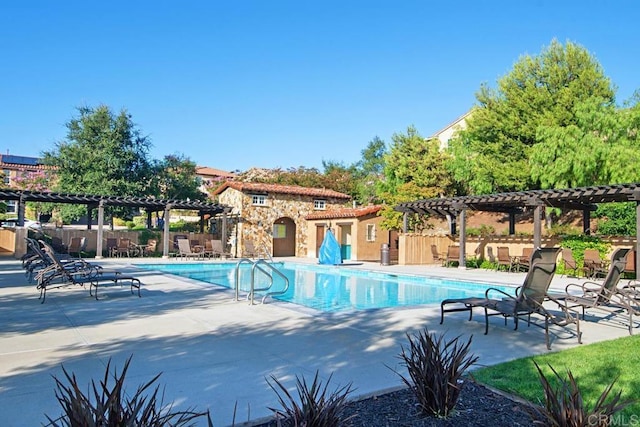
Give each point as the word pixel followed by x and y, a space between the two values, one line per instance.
pixel 333 288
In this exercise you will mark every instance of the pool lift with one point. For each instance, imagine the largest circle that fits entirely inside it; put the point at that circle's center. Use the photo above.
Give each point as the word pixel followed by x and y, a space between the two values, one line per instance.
pixel 265 268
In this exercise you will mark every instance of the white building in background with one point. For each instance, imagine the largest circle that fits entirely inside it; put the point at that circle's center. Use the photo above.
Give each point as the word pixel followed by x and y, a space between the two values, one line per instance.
pixel 449 131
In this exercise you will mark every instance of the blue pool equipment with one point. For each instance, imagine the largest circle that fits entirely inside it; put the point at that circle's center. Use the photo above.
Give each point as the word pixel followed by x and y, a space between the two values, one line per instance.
pixel 330 250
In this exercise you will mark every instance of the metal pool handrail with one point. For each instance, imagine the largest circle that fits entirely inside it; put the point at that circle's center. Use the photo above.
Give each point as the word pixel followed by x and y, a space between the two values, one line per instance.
pixel 257 265
pixel 237 275
pixel 274 270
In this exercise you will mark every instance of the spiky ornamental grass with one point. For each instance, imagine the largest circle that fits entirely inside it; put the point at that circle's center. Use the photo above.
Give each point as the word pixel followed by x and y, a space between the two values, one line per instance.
pixel 315 406
pixel 564 406
pixel 106 406
pixel 435 368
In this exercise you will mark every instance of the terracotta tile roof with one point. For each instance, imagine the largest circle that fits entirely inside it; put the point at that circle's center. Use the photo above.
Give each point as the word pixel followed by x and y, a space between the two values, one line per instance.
pixel 345 212
pixel 206 170
pixel 248 187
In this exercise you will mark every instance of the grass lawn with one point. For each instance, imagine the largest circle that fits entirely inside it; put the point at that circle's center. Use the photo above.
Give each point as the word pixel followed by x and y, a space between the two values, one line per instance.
pixel 594 367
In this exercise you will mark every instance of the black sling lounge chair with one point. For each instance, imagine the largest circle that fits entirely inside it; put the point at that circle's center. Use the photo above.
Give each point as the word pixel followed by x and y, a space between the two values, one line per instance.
pixel 39 260
pixel 598 295
pixel 547 255
pixel 56 276
pixel 529 301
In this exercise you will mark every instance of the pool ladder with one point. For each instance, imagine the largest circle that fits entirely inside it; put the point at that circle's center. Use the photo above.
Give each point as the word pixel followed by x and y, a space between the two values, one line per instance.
pixel 264 267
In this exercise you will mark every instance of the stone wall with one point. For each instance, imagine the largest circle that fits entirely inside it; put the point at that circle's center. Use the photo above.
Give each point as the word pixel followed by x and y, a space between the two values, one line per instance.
pixel 257 221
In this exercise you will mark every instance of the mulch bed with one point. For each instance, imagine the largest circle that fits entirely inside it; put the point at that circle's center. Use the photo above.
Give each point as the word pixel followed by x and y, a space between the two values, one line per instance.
pixel 477 406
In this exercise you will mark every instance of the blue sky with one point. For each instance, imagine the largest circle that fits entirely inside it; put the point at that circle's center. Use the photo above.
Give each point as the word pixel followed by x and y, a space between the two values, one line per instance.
pixel 236 84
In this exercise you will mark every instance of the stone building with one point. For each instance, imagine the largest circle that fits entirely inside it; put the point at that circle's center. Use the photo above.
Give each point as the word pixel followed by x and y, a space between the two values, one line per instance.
pixel 358 231
pixel 272 216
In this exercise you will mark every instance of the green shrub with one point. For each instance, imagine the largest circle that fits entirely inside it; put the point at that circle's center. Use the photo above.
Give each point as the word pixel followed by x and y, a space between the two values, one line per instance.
pixel 184 226
pixel 563 230
pixel 564 406
pixel 435 370
pixel 579 243
pixel 140 221
pixel 146 234
pixel 616 219
pixel 119 222
pixel 318 407
pixel 483 230
pixel 473 262
pixel 106 406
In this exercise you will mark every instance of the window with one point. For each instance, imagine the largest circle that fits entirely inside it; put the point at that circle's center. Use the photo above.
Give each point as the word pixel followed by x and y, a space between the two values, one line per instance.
pixel 259 200
pixel 319 205
pixel 279 231
pixel 7 177
pixel 12 206
pixel 371 232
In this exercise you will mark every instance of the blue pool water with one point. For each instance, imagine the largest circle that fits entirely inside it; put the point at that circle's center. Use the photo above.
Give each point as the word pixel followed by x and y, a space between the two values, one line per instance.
pixel 333 289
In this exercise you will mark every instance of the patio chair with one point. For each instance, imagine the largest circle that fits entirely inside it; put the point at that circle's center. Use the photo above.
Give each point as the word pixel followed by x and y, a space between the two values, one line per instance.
pixel 593 265
pixel 39 260
pixel 523 262
pixel 249 249
pixel 176 238
pixel 124 247
pixel 453 256
pixel 569 262
pixel 628 298
pixel 598 295
pixel 184 250
pixel 217 250
pixel 59 275
pixel 437 256
pixel 111 246
pixel 504 259
pixel 529 301
pixel 630 266
pixel 77 246
pixel 196 246
pixel 150 247
pixel 540 255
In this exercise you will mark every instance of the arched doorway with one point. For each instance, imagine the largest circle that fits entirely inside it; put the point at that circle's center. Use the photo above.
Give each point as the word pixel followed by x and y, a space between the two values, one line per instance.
pixel 284 237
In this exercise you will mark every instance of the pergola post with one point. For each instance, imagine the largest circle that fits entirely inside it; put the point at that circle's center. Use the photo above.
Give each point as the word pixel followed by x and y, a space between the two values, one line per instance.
pixel 586 221
pixel 537 226
pixel 405 222
pixel 21 206
pixel 512 223
pixel 452 224
pixel 89 213
pixel 223 232
pixel 100 229
pixel 149 220
pixel 637 238
pixel 462 263
pixel 201 222
pixel 165 238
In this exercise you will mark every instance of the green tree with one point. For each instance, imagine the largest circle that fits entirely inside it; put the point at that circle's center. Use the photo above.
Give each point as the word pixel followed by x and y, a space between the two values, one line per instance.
pixel 492 154
pixel 103 154
pixel 616 219
pixel 601 147
pixel 176 178
pixel 370 171
pixel 415 168
pixel 340 177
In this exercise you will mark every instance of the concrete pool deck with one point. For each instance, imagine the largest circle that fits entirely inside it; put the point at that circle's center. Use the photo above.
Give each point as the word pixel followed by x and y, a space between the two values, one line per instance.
pixel 215 353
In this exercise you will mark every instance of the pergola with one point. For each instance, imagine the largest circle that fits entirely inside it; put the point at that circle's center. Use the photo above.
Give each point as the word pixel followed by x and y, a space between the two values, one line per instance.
pixel 583 198
pixel 99 202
